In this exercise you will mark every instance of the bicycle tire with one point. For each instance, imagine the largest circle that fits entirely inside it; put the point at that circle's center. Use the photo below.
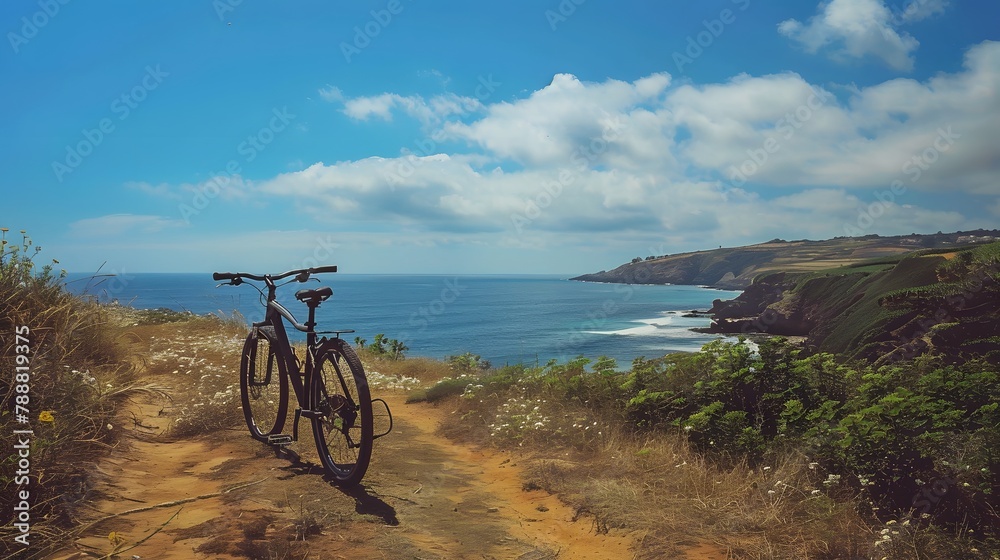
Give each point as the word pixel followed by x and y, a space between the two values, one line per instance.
pixel 263 385
pixel 344 433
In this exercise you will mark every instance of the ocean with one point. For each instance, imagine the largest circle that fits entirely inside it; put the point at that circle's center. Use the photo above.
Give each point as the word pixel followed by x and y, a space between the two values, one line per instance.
pixel 504 319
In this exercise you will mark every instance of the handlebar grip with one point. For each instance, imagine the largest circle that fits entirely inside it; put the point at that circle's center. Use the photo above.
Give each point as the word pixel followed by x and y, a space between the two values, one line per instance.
pixel 322 269
pixel 224 276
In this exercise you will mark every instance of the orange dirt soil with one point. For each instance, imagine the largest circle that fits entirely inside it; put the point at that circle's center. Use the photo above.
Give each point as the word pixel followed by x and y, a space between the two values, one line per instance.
pixel 225 496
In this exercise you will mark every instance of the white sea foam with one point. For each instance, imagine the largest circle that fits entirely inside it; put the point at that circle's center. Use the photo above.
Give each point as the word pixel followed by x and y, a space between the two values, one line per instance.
pixel 657 326
pixel 670 324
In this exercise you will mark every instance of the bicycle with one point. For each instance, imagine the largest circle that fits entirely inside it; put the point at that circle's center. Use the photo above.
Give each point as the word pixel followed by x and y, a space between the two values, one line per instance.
pixel 331 388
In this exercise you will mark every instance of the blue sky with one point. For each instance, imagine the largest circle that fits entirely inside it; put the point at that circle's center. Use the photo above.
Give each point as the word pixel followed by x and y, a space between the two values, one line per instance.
pixel 569 136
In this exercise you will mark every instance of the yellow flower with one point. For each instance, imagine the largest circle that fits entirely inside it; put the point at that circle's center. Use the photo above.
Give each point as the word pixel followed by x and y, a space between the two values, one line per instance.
pixel 116 538
pixel 46 416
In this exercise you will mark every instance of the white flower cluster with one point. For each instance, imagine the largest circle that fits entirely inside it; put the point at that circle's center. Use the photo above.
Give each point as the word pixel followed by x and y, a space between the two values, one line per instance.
pixel 381 382
pixel 520 416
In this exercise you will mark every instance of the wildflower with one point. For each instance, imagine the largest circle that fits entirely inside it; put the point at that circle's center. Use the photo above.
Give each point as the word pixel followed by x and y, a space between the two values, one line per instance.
pixel 110 426
pixel 46 416
pixel 771 492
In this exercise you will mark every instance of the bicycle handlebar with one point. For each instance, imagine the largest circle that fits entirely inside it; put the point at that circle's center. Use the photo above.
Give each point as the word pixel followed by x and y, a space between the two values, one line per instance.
pixel 304 273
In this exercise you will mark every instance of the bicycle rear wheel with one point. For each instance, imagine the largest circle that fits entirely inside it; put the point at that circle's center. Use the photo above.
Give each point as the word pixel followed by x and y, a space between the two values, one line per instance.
pixel 263 389
pixel 343 431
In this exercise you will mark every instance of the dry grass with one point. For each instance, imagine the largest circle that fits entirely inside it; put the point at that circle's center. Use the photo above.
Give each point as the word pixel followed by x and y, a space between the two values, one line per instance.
pixel 654 483
pixel 81 375
pixel 200 357
pixel 661 487
pixel 658 485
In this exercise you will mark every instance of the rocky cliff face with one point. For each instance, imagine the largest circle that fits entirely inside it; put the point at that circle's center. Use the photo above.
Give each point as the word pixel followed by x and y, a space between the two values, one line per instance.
pixel 880 312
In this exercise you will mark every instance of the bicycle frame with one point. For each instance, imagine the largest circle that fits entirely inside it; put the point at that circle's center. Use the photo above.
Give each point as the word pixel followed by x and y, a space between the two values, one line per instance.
pixel 287 360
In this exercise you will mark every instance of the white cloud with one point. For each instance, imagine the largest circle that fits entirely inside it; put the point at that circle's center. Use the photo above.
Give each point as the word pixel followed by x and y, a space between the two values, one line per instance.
pixel 543 170
pixel 225 187
pixel 937 135
pixel 429 112
pixel 569 120
pixel 119 224
pixel 918 10
pixel 331 94
pixel 859 28
pixel 162 190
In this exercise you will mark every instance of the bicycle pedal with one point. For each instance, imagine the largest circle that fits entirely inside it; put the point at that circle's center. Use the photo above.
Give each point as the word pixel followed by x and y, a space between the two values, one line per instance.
pixel 279 439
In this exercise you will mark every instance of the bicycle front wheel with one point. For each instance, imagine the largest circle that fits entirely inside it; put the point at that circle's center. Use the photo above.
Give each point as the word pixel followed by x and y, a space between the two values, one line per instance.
pixel 343 431
pixel 263 389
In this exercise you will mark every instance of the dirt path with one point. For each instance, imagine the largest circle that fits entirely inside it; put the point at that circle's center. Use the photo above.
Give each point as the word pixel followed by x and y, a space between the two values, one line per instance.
pixel 225 496
pixel 424 497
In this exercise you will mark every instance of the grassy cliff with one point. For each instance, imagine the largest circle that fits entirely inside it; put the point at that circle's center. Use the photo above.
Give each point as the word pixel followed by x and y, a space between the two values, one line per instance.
pixel 735 268
pixel 943 301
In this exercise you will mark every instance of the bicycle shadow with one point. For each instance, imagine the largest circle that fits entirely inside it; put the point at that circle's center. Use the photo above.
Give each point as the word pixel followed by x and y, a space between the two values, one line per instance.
pixel 365 502
pixel 296 465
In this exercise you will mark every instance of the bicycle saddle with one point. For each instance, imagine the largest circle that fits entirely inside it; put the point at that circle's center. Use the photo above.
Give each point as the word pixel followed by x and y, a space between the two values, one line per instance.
pixel 314 297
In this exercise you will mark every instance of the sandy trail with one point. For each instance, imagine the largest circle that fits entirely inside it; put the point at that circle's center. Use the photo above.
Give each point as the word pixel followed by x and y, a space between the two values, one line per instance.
pixel 424 497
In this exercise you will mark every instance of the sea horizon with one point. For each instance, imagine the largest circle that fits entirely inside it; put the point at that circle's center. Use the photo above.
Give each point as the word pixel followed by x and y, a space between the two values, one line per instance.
pixel 505 318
